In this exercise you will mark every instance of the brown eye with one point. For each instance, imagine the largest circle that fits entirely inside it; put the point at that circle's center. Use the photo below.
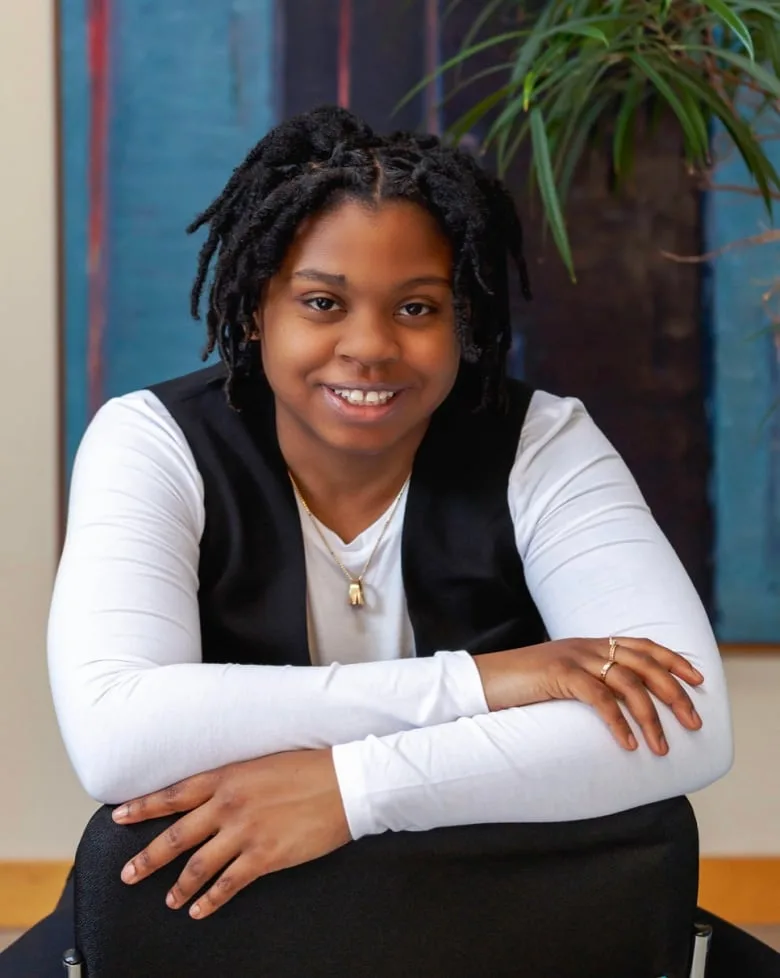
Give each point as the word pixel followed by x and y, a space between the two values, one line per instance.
pixel 416 309
pixel 321 303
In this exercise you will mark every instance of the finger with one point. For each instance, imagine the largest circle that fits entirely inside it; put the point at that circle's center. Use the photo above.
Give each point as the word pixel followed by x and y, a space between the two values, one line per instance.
pixel 202 867
pixel 661 684
pixel 671 661
pixel 639 704
pixel 592 691
pixel 239 874
pixel 183 835
pixel 180 797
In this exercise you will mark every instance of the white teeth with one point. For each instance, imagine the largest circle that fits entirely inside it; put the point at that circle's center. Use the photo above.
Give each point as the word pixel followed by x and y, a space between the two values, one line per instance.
pixel 364 397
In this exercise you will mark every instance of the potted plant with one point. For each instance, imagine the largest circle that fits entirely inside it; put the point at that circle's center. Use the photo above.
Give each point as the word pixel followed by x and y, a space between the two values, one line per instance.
pixel 580 70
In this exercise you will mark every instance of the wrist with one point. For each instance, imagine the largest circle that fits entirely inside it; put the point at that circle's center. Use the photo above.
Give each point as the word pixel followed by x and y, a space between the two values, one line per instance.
pixel 348 766
pixel 343 831
pixel 489 669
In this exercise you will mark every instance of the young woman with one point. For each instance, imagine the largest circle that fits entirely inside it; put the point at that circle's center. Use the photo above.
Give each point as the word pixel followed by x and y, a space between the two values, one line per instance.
pixel 353 579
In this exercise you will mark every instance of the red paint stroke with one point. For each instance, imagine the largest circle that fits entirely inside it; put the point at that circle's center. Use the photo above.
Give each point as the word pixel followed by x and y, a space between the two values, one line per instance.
pixel 432 58
pixel 345 49
pixel 98 24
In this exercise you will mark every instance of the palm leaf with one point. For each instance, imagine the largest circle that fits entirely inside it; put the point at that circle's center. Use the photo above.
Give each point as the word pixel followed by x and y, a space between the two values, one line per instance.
pixel 528 52
pixel 697 148
pixel 464 83
pixel 520 103
pixel 583 30
pixel 456 60
pixel 698 122
pixel 479 22
pixel 574 62
pixel 564 91
pixel 571 153
pixel 744 138
pixel 721 9
pixel 767 81
pixel 622 141
pixel 547 188
pixel 761 8
pixel 468 120
pixel 580 105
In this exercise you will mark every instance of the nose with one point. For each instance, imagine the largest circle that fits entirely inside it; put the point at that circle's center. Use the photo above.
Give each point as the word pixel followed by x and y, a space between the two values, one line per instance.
pixel 369 338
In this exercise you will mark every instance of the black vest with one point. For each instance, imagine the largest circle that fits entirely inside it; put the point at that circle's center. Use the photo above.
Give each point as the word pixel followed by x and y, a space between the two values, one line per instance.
pixel 463 578
pixel 610 897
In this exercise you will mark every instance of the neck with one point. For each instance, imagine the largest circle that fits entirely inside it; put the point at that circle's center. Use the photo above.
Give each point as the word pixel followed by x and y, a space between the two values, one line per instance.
pixel 346 491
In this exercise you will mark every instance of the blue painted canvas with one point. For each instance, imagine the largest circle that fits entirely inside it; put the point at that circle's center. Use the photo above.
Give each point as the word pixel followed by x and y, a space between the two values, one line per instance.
pixel 745 307
pixel 159 102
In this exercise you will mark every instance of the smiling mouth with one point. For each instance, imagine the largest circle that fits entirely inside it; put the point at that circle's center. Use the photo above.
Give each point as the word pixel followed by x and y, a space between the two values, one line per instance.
pixel 360 397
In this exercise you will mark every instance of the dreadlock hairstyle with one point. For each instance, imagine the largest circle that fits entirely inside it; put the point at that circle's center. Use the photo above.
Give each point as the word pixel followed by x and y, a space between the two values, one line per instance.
pixel 316 160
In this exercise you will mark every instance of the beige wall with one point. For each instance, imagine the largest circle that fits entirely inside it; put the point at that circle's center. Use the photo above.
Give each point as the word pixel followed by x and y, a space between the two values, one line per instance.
pixel 43 809
pixel 740 815
pixel 42 806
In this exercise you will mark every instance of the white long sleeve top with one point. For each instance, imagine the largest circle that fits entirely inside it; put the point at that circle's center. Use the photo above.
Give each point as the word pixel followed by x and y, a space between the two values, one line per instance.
pixel 413 742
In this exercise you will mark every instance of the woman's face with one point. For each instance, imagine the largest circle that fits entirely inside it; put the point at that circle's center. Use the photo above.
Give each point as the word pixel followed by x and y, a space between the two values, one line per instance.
pixel 357 327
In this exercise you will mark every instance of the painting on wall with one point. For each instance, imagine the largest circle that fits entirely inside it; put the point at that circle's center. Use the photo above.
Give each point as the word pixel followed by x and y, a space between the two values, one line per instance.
pixel 744 306
pixel 159 101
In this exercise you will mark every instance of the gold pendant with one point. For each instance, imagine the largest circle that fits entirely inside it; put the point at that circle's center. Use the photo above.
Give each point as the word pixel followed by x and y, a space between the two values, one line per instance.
pixel 356 598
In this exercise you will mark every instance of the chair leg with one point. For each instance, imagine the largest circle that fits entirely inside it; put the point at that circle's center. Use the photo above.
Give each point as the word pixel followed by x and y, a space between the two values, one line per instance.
pixel 72 963
pixel 736 954
pixel 38 952
pixel 702 936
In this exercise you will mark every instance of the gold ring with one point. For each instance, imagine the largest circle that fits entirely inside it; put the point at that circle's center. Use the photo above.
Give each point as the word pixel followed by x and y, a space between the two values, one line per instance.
pixel 612 648
pixel 605 669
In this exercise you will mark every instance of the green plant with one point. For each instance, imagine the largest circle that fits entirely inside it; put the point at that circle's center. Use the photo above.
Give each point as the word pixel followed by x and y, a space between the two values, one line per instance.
pixel 579 68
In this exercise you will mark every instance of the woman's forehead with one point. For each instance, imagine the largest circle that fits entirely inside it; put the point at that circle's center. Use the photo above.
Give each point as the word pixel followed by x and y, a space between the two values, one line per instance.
pixel 393 240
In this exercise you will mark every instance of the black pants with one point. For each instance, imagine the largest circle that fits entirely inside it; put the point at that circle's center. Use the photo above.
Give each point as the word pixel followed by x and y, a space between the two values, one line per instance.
pixel 38 953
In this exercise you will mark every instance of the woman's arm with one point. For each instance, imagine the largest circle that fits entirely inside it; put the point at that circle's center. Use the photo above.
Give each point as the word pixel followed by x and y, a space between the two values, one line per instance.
pixel 137 707
pixel 596 564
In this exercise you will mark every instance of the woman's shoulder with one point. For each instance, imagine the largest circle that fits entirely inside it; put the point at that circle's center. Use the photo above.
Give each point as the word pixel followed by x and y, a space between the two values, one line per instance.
pixel 133 442
pixel 560 442
pixel 551 417
pixel 138 417
pixel 151 413
pixel 566 471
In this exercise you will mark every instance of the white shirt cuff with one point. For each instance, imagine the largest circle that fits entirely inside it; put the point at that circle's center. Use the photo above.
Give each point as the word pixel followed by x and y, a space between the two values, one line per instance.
pixel 348 762
pixel 464 684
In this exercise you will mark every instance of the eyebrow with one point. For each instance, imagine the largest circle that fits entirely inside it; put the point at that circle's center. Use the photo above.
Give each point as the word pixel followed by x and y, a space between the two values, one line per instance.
pixel 314 274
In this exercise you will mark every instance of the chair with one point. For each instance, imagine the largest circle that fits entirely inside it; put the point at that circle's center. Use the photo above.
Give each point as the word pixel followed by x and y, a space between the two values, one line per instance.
pixel 612 897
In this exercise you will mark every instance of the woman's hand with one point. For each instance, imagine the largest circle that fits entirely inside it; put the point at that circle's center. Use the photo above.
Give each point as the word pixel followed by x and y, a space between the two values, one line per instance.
pixel 247 819
pixel 570 669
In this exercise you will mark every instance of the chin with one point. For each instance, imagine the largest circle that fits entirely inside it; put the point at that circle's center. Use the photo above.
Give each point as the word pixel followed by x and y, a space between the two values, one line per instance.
pixel 361 443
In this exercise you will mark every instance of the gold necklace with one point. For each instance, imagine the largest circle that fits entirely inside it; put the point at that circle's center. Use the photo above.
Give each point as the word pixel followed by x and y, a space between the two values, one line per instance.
pixel 355 594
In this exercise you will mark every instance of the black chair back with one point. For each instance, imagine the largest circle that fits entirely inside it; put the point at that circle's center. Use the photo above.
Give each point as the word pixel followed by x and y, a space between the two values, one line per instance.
pixel 612 897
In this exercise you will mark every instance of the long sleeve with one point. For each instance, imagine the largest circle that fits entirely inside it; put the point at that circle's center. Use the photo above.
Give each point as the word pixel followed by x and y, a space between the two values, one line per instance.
pixel 596 564
pixel 137 707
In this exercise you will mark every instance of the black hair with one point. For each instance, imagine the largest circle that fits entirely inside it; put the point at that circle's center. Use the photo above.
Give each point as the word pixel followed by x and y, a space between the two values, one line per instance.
pixel 313 161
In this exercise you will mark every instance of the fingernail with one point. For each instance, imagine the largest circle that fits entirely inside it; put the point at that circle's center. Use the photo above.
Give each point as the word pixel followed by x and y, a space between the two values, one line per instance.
pixel 696 719
pixel 663 743
pixel 128 873
pixel 699 675
pixel 171 900
pixel 122 812
pixel 195 910
pixel 632 742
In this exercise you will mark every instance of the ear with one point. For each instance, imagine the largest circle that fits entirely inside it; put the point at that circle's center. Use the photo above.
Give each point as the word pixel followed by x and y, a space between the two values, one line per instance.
pixel 255 331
